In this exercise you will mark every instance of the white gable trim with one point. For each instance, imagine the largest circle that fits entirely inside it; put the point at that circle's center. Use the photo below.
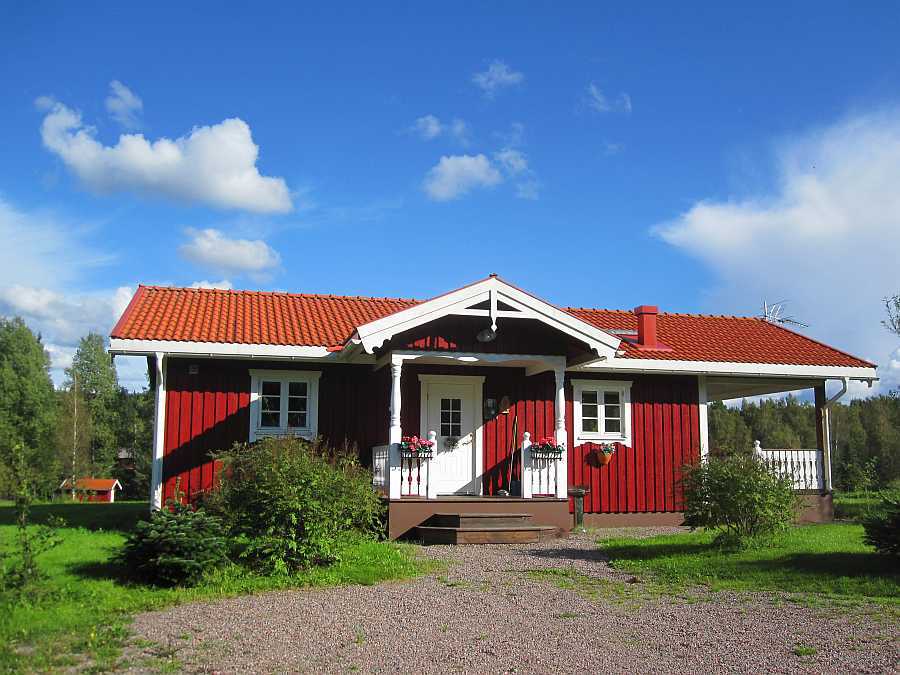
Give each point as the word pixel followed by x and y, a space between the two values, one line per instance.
pixel 459 302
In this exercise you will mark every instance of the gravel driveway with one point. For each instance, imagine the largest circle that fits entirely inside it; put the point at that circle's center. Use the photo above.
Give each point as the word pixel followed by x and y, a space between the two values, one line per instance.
pixel 487 612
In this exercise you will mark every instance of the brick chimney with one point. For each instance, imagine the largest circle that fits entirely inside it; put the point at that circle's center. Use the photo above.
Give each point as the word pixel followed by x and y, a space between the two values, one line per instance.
pixel 646 316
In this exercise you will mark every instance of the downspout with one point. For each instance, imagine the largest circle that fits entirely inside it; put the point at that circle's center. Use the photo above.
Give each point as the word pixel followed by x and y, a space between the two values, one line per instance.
pixel 826 423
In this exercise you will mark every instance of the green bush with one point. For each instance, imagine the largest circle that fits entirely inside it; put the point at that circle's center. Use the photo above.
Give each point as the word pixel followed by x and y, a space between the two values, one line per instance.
pixel 176 546
pixel 290 504
pixel 739 496
pixel 882 526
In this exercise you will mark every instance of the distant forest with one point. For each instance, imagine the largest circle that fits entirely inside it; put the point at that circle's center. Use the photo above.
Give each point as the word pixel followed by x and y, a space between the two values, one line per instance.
pixel 865 435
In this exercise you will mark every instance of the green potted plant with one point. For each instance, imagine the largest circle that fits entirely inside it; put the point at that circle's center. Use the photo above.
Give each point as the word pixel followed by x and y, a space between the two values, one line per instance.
pixel 605 452
pixel 415 447
pixel 547 448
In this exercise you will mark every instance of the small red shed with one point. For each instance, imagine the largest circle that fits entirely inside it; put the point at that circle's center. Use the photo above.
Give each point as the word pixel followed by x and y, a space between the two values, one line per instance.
pixel 93 489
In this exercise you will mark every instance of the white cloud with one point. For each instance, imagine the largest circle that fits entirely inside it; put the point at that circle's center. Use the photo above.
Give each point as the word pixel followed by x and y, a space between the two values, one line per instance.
pixel 599 102
pixel 456 175
pixel 224 284
pixel 124 106
pixel 40 245
pixel 515 164
pixel 63 318
pixel 497 76
pixel 826 238
pixel 512 160
pixel 213 165
pixel 212 249
pixel 429 127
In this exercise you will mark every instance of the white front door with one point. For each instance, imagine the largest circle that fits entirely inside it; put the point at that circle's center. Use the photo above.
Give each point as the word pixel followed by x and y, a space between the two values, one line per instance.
pixel 451 412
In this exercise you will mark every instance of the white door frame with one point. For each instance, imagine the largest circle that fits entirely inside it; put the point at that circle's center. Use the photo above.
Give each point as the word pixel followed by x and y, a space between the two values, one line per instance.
pixel 476 382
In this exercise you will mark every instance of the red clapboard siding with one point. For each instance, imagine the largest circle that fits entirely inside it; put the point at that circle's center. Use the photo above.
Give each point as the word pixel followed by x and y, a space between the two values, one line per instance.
pixel 644 477
pixel 209 411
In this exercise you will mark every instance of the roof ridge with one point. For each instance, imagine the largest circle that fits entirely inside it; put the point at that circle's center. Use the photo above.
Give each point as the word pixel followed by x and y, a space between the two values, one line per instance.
pixel 290 294
pixel 696 315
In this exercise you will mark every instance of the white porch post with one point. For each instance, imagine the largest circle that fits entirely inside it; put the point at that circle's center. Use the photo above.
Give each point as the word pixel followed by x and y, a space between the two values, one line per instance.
pixel 703 416
pixel 527 473
pixel 431 483
pixel 395 468
pixel 562 466
pixel 159 433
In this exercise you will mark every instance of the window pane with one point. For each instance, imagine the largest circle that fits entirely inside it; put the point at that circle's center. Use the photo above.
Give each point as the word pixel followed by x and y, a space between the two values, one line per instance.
pixel 270 404
pixel 297 388
pixel 445 429
pixel 296 404
pixel 589 424
pixel 611 397
pixel 613 426
pixel 268 419
pixel 589 397
pixel 588 410
pixel 613 411
pixel 445 418
pixel 297 419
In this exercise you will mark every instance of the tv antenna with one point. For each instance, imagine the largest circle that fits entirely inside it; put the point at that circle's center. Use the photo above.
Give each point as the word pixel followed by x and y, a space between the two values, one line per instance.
pixel 774 313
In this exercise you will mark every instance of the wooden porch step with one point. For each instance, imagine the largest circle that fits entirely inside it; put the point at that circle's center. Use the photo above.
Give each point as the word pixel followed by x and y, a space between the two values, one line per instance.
pixel 509 534
pixel 480 520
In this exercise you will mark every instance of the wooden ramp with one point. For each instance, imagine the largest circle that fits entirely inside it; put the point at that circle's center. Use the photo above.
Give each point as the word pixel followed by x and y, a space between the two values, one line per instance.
pixel 483 528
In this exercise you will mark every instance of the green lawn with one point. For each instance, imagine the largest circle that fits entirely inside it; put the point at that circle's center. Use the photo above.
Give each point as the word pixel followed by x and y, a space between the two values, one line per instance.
pixel 854 505
pixel 84 607
pixel 822 561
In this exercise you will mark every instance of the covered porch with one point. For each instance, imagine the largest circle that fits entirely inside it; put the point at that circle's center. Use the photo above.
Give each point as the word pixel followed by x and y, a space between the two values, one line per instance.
pixel 482 413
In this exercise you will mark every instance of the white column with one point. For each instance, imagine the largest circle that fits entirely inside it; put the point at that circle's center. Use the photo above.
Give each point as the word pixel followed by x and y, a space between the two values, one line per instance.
pixel 432 484
pixel 395 433
pixel 527 474
pixel 703 416
pixel 562 466
pixel 159 434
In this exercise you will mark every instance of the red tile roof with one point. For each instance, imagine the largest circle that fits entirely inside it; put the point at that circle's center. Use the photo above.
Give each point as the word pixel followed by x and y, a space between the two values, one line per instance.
pixel 253 317
pixel 95 484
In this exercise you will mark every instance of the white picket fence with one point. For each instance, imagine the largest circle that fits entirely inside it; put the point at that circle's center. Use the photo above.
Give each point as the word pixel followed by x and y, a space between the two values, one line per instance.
pixel 805 466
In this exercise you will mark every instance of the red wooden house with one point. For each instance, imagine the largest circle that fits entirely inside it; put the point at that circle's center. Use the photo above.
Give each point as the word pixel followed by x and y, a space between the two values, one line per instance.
pixel 92 489
pixel 465 368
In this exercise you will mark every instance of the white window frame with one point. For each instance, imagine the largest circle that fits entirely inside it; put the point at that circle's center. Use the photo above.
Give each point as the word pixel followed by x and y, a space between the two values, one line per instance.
pixel 623 389
pixel 284 377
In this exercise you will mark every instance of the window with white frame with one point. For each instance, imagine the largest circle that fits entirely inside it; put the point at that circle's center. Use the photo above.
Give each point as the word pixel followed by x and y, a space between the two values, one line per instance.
pixel 283 402
pixel 602 411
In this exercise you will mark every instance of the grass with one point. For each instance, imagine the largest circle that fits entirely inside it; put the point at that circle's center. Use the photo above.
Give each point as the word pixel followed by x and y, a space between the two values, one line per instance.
pixel 854 505
pixel 80 613
pixel 818 562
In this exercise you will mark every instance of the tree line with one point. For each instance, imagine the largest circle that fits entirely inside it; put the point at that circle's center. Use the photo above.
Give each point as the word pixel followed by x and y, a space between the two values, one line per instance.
pixel 90 426
pixel 865 434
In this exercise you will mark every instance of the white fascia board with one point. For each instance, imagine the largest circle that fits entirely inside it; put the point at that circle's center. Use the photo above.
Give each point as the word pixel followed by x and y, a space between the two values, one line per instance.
pixel 376 333
pixel 728 368
pixel 127 347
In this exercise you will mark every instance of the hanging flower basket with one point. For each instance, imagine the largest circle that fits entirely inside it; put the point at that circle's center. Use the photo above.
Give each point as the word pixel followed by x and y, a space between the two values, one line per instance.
pixel 546 448
pixel 605 453
pixel 415 447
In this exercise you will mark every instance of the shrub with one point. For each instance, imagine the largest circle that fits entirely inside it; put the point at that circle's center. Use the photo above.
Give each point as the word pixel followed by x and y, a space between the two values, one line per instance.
pixel 176 546
pixel 290 503
pixel 739 496
pixel 882 526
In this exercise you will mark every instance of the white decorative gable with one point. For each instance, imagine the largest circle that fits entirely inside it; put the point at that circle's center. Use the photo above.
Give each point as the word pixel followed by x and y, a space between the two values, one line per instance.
pixel 503 301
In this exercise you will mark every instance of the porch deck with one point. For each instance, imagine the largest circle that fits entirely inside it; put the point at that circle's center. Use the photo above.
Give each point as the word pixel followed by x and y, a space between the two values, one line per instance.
pixel 407 513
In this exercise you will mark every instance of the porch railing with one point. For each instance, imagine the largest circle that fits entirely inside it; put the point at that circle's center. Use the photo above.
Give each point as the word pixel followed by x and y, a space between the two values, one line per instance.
pixel 805 467
pixel 540 472
pixel 394 475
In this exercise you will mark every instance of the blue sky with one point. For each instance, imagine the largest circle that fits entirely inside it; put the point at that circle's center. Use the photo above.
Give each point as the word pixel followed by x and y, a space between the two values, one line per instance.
pixel 605 156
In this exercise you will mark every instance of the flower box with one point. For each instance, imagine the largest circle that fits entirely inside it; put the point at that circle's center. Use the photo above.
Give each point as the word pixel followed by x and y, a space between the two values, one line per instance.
pixel 415 447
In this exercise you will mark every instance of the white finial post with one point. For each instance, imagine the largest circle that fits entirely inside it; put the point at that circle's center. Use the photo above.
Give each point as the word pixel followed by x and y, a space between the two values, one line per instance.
pixel 431 485
pixel 526 465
